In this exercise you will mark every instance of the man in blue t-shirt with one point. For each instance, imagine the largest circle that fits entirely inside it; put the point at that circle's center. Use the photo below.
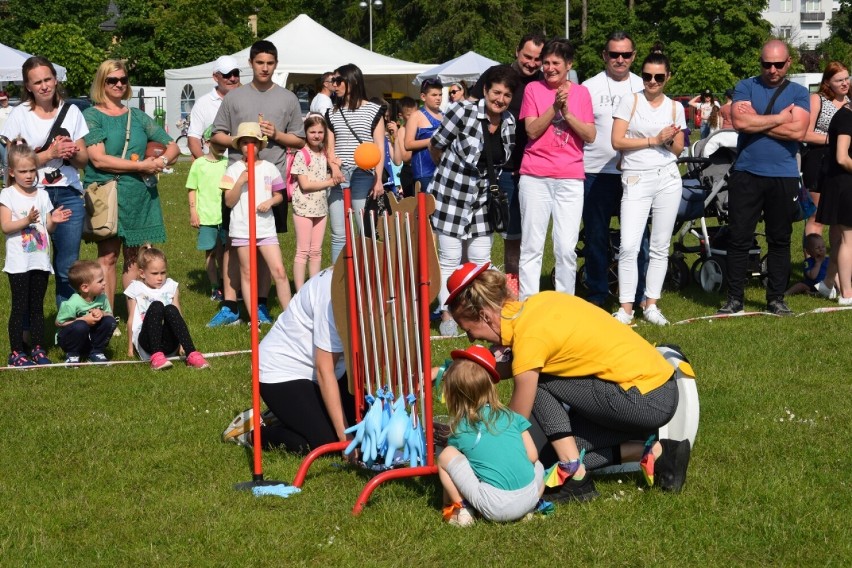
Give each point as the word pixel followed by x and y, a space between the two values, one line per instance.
pixel 765 177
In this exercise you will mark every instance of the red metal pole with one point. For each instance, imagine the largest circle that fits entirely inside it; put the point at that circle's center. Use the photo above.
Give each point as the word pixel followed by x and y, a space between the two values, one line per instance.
pixel 255 356
pixel 356 356
pixel 423 240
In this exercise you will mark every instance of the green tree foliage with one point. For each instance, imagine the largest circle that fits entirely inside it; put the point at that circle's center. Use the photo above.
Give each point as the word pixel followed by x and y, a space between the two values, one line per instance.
pixel 699 72
pixel 22 16
pixel 731 30
pixel 66 45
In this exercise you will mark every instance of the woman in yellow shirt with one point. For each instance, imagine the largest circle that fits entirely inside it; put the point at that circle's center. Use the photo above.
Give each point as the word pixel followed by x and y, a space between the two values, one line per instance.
pixel 565 351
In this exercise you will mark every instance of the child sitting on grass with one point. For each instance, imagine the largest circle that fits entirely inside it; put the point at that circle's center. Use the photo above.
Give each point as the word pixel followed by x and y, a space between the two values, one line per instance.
pixel 85 320
pixel 815 266
pixel 269 186
pixel 157 327
pixel 205 211
pixel 491 461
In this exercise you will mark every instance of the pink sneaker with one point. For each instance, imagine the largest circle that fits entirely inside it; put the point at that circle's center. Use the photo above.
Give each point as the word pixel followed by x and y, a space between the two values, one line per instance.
pixel 159 362
pixel 197 361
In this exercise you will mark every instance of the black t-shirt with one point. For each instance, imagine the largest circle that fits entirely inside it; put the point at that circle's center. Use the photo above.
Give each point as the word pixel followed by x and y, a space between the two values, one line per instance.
pixel 513 164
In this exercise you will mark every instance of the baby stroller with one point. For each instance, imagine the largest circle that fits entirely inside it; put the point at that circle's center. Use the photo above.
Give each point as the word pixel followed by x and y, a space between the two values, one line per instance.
pixel 705 195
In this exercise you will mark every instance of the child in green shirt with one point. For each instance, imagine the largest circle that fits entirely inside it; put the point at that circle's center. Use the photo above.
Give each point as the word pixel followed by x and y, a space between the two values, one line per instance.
pixel 205 211
pixel 85 320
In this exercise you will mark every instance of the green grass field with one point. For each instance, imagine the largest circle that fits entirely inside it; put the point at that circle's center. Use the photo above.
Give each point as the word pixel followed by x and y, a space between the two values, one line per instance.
pixel 121 466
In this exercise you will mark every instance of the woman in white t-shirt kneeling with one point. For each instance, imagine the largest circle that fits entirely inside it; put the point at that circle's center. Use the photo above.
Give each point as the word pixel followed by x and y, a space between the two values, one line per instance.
pixel 302 376
pixel 647 131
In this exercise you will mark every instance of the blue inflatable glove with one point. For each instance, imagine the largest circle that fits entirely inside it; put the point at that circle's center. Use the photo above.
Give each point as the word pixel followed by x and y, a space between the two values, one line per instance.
pixel 372 430
pixel 279 490
pixel 394 433
pixel 414 445
pixel 359 436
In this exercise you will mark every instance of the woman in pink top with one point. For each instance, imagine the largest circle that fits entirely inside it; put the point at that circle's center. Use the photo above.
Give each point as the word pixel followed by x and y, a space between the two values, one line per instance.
pixel 558 118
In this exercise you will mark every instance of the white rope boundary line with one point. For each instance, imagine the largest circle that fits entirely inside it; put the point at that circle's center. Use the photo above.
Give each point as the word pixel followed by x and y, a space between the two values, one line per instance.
pixel 120 362
pixel 824 310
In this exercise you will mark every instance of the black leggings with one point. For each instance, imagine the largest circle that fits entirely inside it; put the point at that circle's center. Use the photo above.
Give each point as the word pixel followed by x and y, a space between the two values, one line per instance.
pixel 163 329
pixel 28 290
pixel 305 423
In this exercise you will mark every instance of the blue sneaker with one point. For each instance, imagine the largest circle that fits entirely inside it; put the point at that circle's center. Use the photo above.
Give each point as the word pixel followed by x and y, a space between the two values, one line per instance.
pixel 224 317
pixel 263 315
pixel 97 358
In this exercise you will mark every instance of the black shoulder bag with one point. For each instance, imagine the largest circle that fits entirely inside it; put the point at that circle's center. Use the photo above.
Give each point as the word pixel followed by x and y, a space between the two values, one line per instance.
pixel 497 203
pixel 56 130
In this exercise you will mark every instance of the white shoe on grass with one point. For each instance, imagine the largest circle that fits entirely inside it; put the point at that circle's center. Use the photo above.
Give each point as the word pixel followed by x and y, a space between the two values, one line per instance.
pixel 623 316
pixel 826 292
pixel 239 430
pixel 653 314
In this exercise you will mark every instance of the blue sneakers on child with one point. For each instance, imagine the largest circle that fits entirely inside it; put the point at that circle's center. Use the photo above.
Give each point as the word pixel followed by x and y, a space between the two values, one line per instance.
pixel 263 315
pixel 224 317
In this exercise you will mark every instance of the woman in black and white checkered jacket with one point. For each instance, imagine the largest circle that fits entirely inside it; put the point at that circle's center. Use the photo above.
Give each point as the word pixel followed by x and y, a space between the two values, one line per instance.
pixel 460 184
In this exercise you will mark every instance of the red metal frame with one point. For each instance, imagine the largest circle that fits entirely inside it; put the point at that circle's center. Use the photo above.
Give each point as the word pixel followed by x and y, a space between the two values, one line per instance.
pixel 255 337
pixel 423 284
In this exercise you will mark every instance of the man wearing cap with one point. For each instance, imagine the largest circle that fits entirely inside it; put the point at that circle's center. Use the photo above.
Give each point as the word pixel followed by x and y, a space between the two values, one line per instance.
pixel 5 111
pixel 277 111
pixel 226 75
pixel 322 100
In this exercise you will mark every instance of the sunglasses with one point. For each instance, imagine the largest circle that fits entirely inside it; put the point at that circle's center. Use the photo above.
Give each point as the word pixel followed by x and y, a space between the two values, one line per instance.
pixel 454 91
pixel 769 64
pixel 116 80
pixel 622 54
pixel 657 77
pixel 231 74
pixel 337 80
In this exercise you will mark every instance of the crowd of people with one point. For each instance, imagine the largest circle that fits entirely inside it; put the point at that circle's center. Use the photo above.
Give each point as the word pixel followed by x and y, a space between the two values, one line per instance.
pixel 576 154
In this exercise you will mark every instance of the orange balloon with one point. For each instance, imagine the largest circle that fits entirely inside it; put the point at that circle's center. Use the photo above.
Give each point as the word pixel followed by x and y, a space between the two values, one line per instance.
pixel 367 156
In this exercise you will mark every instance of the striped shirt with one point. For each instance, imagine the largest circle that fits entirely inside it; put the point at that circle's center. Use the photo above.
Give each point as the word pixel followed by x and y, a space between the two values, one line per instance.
pixel 362 120
pixel 461 178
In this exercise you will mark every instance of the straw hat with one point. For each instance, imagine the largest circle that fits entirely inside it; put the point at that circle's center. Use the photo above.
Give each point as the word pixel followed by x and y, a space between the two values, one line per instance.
pixel 249 130
pixel 462 277
pixel 482 356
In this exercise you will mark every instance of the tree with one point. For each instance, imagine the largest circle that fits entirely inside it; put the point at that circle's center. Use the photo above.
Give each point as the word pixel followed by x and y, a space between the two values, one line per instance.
pixel 698 72
pixel 66 45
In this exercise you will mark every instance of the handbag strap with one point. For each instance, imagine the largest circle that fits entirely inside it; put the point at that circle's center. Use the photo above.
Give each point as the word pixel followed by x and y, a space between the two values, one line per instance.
pixel 489 156
pixel 355 134
pixel 127 134
pixel 57 124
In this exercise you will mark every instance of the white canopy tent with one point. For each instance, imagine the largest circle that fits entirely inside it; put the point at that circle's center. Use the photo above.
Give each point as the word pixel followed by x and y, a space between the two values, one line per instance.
pixel 305 51
pixel 12 59
pixel 467 68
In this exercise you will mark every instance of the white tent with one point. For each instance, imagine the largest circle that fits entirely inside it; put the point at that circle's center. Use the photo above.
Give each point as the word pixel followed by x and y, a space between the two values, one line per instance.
pixel 305 51
pixel 467 68
pixel 12 59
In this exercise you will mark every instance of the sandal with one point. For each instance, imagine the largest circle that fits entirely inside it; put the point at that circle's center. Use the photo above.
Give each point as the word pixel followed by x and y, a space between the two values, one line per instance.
pixel 17 359
pixel 39 357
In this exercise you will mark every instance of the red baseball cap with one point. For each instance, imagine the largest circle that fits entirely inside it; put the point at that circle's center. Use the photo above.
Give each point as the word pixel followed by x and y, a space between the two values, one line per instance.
pixel 482 356
pixel 462 277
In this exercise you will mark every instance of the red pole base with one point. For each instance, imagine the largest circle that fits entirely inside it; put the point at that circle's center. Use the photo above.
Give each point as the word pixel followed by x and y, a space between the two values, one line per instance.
pixel 311 457
pixel 387 476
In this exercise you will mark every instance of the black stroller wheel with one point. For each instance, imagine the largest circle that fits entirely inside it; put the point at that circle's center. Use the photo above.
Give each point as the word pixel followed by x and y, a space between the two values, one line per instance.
pixel 712 275
pixel 696 270
pixel 677 276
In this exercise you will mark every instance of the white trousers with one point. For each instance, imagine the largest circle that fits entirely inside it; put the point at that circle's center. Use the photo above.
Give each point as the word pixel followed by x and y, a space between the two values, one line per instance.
pixel 450 253
pixel 540 199
pixel 656 192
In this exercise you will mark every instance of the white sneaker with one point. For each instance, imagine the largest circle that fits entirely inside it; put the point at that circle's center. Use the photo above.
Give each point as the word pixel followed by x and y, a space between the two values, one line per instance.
pixel 825 291
pixel 462 518
pixel 844 301
pixel 653 314
pixel 623 316
pixel 448 328
pixel 239 430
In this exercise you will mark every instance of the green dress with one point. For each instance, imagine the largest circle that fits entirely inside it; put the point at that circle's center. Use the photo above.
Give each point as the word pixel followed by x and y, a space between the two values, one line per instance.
pixel 140 218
